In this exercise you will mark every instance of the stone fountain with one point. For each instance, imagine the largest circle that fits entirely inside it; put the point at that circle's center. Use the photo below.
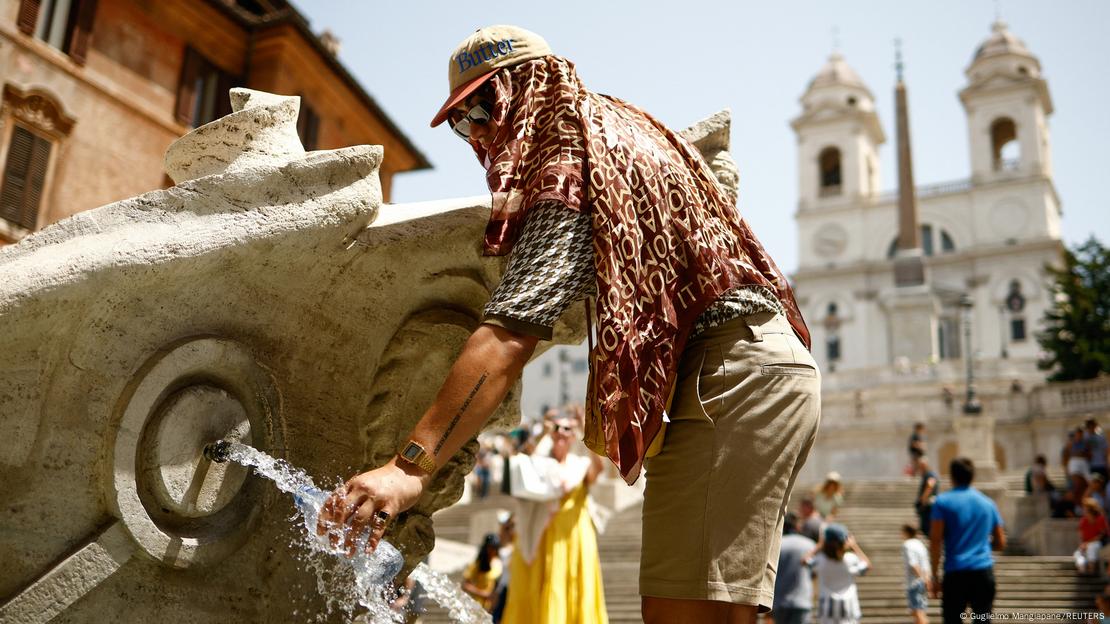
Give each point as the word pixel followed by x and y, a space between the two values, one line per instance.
pixel 269 298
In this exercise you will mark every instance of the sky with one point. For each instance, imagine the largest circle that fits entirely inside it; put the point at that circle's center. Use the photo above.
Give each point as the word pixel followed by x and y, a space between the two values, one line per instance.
pixel 685 60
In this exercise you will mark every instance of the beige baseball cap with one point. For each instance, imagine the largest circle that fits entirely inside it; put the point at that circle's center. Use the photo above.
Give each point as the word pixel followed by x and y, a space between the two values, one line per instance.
pixel 484 52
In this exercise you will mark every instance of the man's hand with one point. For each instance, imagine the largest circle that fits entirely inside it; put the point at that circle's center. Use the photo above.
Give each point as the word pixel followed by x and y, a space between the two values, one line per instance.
pixel 934 587
pixel 488 366
pixel 391 488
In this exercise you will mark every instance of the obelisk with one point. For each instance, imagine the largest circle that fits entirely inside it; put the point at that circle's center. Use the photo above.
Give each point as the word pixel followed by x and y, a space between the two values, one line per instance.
pixel 909 270
pixel 912 307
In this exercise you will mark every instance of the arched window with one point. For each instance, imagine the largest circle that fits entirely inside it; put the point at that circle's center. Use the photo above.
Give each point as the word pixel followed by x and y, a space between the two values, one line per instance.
pixel 1015 303
pixel 832 323
pixel 929 241
pixel 832 349
pixel 1005 149
pixel 829 163
pixel 946 244
pixel 38 126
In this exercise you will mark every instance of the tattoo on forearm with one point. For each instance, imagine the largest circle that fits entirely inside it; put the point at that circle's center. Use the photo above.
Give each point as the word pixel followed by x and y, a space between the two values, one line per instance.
pixel 458 414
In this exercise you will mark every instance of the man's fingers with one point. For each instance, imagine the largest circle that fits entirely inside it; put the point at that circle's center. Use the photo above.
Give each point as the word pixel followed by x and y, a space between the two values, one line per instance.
pixel 330 510
pixel 349 507
pixel 339 510
pixel 361 521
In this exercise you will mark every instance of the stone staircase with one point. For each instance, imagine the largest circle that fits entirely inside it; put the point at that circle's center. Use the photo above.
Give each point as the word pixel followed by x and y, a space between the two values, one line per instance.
pixel 874 511
pixel 619 550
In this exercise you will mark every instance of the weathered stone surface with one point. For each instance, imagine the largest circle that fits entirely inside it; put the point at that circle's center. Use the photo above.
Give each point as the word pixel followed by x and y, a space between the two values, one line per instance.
pixel 711 137
pixel 258 298
pixel 261 130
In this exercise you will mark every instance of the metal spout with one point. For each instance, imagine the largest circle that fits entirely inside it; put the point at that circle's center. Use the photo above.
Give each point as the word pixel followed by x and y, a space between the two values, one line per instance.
pixel 218 451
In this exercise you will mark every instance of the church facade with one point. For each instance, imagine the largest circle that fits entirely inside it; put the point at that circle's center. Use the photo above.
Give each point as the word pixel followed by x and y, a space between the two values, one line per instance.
pixel 900 288
pixel 986 237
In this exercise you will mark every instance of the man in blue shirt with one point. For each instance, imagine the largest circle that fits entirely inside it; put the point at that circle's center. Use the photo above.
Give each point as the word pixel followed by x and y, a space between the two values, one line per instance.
pixel 967 523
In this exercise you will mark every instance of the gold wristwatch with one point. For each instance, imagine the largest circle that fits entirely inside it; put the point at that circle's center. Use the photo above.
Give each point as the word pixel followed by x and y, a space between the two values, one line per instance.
pixel 415 454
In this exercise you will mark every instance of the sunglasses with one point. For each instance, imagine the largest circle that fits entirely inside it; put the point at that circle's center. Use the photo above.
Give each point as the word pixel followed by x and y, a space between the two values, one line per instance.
pixel 480 114
pixel 564 429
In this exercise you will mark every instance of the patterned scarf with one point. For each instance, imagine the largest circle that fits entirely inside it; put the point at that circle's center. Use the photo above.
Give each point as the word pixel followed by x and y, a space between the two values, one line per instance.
pixel 667 238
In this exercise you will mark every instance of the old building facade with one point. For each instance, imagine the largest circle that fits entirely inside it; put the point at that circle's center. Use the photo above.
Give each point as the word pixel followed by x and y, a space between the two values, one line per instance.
pixel 94 91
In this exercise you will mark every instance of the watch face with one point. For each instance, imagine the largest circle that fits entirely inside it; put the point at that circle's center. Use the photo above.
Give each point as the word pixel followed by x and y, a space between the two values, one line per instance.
pixel 411 452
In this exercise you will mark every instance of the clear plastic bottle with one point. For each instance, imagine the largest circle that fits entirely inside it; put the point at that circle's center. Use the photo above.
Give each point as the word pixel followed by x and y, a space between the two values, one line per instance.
pixel 383 564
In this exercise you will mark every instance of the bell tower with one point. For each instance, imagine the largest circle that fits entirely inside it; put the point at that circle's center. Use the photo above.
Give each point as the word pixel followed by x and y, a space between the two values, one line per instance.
pixel 838 139
pixel 1007 104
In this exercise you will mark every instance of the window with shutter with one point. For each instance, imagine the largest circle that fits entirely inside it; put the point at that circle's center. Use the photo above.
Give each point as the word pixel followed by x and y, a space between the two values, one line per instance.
pixel 81 32
pixel 308 126
pixel 28 16
pixel 64 24
pixel 24 177
pixel 202 93
pixel 54 22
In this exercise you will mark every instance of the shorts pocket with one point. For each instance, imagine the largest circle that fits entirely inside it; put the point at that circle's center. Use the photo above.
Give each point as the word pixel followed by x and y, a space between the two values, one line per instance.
pixel 789 369
pixel 712 379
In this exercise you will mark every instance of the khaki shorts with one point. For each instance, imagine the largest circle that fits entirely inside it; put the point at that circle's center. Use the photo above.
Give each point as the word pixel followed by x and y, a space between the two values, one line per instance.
pixel 744 417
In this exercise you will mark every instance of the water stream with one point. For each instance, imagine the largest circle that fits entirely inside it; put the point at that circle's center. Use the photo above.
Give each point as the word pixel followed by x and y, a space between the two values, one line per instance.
pixel 360 586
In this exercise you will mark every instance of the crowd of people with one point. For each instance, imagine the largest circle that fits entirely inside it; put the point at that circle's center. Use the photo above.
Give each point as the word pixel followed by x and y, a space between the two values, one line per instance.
pixel 547 548
pixel 819 558
pixel 961 523
pixel 818 551
pixel 1084 494
pixel 815 547
pixel 1084 460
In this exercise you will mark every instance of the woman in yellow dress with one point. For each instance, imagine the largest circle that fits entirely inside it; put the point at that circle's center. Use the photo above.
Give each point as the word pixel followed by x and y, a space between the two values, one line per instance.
pixel 480 577
pixel 555 573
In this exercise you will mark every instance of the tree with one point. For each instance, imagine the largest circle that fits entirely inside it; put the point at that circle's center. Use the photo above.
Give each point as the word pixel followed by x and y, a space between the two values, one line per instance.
pixel 1076 339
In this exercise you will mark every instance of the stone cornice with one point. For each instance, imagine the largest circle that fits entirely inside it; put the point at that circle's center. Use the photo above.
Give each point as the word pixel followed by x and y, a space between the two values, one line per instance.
pixel 877 267
pixel 39 109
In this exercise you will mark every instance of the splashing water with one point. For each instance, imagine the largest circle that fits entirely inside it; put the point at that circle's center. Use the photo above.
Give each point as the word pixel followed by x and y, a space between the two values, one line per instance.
pixel 367 577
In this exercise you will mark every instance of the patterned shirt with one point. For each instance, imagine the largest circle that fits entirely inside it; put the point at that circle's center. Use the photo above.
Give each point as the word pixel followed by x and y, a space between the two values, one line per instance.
pixel 552 266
